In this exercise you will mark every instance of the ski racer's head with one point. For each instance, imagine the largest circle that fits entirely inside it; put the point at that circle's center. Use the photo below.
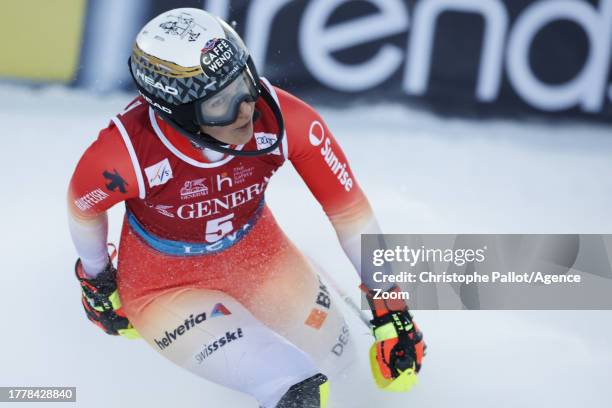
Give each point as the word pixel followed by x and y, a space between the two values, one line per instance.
pixel 195 71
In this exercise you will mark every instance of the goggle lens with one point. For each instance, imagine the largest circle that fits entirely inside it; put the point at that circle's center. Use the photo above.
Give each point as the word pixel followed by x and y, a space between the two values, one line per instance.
pixel 222 108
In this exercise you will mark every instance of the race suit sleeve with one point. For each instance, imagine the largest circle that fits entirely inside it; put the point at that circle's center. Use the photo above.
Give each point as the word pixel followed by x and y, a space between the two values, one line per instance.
pixel 321 163
pixel 103 177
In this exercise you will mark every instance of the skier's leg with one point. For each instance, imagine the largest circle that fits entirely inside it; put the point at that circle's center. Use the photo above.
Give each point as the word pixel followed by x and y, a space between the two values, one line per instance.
pixel 297 303
pixel 215 337
pixel 264 273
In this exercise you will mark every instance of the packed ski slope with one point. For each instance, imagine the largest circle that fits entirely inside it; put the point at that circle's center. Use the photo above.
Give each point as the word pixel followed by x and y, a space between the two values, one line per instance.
pixel 423 174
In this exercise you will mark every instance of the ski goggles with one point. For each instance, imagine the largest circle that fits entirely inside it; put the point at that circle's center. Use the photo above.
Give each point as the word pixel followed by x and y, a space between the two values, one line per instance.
pixel 223 107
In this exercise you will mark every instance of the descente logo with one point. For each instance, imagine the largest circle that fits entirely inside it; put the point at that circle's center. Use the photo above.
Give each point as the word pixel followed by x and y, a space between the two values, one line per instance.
pixel 218 310
pixel 316 135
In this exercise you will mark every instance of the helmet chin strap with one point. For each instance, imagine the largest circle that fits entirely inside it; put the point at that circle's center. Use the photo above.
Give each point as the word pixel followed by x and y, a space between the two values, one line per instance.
pixel 204 140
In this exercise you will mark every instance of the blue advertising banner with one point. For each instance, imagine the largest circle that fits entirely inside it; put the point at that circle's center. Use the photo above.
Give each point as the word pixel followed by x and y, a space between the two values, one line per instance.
pixel 475 57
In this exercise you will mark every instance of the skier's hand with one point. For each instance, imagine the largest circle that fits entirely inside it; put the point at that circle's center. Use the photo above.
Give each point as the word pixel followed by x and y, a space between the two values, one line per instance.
pixel 397 354
pixel 101 302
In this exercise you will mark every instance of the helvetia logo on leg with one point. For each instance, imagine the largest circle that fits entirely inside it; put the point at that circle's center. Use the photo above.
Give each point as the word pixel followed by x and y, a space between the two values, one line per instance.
pixel 218 310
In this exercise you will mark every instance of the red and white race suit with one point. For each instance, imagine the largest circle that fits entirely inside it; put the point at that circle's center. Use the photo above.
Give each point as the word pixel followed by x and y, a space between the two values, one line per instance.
pixel 205 274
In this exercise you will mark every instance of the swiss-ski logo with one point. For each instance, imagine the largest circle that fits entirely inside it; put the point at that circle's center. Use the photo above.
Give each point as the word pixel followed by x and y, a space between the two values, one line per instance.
pixel 209 349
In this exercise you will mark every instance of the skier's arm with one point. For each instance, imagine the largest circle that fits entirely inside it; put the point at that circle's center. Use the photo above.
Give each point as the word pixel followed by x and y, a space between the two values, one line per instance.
pixel 321 163
pixel 103 177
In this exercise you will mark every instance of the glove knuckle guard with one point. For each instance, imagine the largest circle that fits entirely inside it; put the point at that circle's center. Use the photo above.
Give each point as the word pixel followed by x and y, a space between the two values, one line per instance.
pixel 101 301
pixel 396 356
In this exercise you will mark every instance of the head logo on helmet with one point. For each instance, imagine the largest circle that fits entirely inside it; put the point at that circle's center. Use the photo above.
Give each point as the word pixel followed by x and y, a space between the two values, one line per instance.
pixel 150 81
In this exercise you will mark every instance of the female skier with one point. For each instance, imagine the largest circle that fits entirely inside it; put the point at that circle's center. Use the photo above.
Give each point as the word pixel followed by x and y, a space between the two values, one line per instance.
pixel 204 274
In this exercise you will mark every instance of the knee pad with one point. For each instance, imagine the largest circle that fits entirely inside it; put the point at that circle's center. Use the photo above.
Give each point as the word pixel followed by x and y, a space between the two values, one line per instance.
pixel 310 393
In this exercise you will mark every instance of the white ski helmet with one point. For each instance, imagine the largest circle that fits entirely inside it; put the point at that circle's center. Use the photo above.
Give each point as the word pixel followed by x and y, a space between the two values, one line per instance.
pixel 183 62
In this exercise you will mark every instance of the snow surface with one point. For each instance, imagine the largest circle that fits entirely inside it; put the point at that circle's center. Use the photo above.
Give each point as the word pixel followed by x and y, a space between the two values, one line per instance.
pixel 422 173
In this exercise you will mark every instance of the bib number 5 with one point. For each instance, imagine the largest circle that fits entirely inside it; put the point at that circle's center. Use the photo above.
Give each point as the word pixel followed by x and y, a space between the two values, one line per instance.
pixel 218 228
